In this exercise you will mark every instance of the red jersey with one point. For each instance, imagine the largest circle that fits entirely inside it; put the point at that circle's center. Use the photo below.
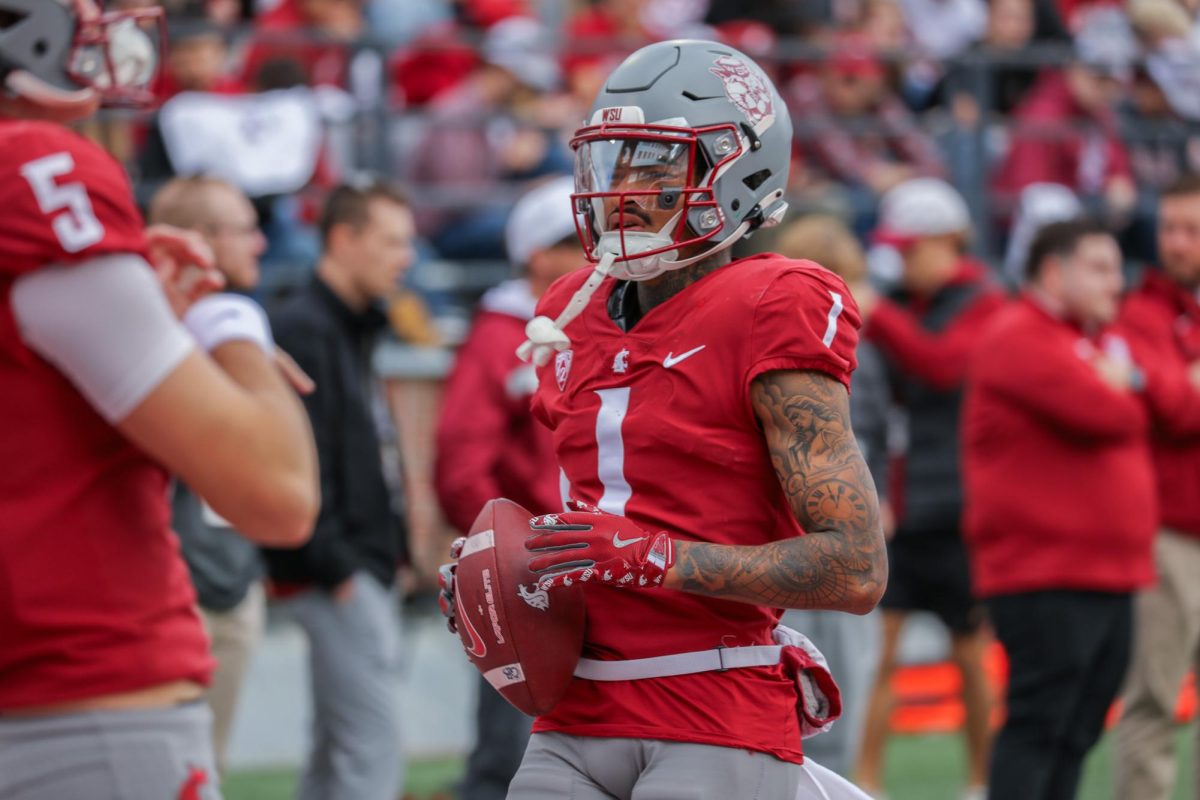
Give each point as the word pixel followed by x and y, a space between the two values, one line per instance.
pixel 94 597
pixel 657 425
pixel 1163 323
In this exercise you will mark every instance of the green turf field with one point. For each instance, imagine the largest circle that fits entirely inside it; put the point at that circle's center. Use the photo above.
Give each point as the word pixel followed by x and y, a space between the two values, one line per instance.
pixel 918 768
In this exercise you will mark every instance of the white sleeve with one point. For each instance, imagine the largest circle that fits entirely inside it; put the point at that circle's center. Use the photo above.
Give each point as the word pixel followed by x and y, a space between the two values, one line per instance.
pixel 106 325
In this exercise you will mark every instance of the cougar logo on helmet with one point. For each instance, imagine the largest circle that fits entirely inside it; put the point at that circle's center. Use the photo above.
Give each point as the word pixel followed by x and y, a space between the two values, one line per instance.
pixel 745 88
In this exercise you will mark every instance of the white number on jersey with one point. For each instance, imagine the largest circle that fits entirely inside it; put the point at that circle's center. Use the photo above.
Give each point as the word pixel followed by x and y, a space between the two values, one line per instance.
pixel 611 450
pixel 74 221
pixel 835 311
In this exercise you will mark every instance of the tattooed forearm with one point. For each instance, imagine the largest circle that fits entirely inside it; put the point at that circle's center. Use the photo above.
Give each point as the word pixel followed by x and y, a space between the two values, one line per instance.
pixel 842 562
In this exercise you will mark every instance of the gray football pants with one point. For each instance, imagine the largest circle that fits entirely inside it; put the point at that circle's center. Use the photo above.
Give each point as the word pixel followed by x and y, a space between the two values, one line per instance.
pixel 354 660
pixel 156 754
pixel 562 767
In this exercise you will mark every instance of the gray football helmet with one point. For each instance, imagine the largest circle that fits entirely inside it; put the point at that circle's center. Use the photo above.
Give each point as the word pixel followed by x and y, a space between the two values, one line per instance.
pixel 688 125
pixel 56 49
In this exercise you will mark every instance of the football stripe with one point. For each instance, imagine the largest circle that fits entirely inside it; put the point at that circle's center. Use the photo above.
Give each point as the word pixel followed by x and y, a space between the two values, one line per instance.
pixel 476 542
pixel 504 676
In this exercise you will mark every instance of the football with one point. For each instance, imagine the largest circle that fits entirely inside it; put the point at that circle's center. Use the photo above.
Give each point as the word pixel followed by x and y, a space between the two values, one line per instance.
pixel 525 640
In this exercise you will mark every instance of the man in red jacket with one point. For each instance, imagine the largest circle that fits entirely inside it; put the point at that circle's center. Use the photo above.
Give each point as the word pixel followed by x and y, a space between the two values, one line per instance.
pixel 1060 505
pixel 488 443
pixel 925 330
pixel 1162 319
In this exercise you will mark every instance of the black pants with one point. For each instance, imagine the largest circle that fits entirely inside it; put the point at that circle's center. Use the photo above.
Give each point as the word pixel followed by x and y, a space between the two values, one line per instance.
pixel 1068 651
pixel 501 734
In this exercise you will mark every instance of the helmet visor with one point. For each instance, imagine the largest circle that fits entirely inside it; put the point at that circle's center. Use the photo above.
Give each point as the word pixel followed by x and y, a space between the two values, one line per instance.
pixel 639 169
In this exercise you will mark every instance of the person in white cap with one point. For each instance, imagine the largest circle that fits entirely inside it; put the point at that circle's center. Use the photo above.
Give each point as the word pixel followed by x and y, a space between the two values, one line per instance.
pixel 926 330
pixel 488 443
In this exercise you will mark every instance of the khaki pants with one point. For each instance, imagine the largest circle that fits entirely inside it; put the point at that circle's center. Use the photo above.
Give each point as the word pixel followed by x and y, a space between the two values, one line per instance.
pixel 1166 645
pixel 234 634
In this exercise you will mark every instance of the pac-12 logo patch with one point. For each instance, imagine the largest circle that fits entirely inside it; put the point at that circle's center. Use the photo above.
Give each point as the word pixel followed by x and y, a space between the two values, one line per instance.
pixel 745 88
pixel 562 369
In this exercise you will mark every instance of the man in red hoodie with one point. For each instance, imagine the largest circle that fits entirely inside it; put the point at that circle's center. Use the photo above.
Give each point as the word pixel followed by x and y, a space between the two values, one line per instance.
pixel 1060 505
pixel 1162 319
pixel 488 443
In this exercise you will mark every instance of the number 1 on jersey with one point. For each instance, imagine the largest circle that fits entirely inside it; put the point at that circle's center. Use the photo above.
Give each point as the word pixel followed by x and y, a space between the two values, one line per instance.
pixel 610 450
pixel 76 226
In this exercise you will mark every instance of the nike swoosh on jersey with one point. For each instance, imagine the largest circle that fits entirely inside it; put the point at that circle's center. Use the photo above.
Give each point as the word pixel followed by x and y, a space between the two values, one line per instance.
pixel 672 359
pixel 619 542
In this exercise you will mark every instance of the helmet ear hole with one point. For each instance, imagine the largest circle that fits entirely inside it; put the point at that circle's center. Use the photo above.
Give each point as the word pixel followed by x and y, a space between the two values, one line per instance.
pixel 40 48
pixel 756 179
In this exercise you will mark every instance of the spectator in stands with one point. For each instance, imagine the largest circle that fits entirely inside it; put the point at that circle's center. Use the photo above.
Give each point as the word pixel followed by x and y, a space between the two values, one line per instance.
pixel 926 330
pixel 854 130
pixel 850 643
pixel 317 34
pixel 485 133
pixel 1011 27
pixel 1060 506
pixel 225 568
pixel 1065 131
pixel 488 443
pixel 338 587
pixel 1162 320
pixel 196 62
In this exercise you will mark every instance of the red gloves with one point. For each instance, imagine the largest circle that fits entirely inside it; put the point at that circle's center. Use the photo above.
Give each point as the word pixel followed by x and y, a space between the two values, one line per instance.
pixel 446 588
pixel 586 544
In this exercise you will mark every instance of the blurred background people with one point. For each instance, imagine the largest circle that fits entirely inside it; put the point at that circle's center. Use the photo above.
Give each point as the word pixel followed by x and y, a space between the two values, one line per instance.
pixel 850 643
pixel 488 443
pixel 1061 509
pixel 926 329
pixel 854 133
pixel 1082 98
pixel 339 586
pixel 484 132
pixel 1162 320
pixel 224 567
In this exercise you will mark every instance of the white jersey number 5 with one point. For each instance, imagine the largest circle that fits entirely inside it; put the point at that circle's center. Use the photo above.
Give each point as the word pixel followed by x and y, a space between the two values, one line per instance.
pixel 74 221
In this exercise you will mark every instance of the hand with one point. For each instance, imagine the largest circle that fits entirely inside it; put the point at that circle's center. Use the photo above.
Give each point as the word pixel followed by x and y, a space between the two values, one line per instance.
pixel 343 593
pixel 1193 373
pixel 587 544
pixel 446 584
pixel 183 262
pixel 1117 374
pixel 293 374
pixel 1120 197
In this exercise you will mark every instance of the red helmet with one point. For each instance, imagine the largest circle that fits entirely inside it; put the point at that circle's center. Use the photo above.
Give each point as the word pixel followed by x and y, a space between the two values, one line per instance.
pixel 65 54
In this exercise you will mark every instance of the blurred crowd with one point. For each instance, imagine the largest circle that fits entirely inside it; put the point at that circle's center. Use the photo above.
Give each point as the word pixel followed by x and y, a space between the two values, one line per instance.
pixel 935 142
pixel 469 102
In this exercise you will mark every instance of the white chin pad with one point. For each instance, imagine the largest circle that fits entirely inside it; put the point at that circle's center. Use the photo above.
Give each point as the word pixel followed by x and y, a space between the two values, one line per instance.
pixel 627 247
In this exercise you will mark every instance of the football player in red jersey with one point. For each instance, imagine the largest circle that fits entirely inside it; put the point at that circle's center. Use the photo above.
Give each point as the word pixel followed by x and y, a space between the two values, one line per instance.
pixel 114 376
pixel 699 411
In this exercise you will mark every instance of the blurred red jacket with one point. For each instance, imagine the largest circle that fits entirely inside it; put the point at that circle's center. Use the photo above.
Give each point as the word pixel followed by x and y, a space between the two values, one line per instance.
pixel 1059 479
pixel 1162 321
pixel 488 442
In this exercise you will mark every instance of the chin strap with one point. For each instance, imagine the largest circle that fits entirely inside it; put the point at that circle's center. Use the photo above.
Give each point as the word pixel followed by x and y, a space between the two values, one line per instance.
pixel 545 335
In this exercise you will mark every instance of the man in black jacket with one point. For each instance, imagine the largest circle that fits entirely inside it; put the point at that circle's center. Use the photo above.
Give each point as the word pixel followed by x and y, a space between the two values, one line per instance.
pixel 339 585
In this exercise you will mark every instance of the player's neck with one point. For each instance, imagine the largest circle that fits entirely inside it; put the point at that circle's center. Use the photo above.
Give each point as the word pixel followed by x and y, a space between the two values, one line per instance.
pixel 658 290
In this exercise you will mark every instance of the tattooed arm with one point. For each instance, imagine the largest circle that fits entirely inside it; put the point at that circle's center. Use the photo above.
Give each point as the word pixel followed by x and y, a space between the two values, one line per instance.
pixel 842 563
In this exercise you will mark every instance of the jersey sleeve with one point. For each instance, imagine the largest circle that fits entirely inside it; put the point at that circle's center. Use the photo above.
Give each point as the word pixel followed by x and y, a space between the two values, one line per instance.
pixel 65 200
pixel 806 319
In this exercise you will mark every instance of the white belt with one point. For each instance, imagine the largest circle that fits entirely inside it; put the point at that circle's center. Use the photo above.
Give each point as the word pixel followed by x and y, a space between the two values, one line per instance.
pixel 720 658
